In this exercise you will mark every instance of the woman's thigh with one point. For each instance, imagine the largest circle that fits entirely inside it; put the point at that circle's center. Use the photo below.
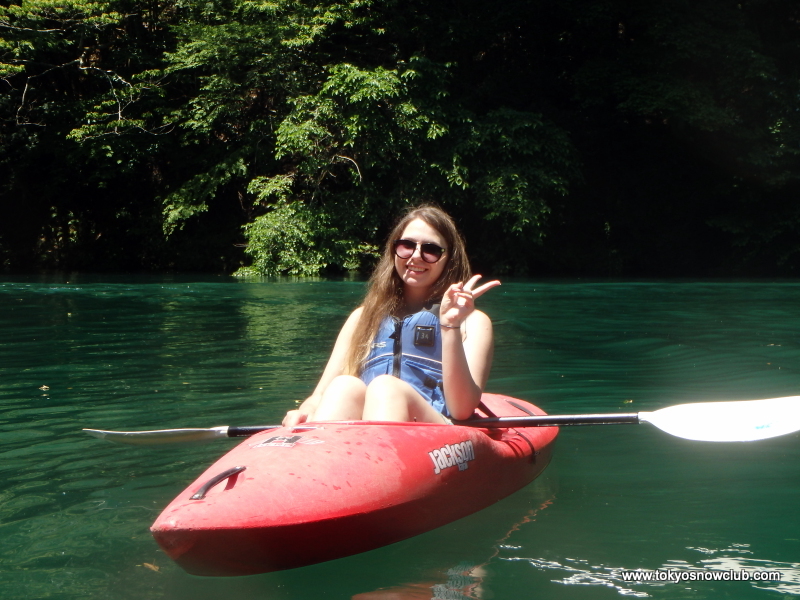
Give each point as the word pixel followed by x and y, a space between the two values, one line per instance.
pixel 391 399
pixel 343 400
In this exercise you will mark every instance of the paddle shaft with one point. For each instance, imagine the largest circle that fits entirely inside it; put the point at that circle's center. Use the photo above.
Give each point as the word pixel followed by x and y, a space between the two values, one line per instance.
pixel 249 430
pixel 168 436
pixel 551 420
pixel 498 422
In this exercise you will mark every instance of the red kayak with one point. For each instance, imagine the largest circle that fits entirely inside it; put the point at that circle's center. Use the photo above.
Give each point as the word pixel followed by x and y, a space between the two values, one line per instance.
pixel 287 498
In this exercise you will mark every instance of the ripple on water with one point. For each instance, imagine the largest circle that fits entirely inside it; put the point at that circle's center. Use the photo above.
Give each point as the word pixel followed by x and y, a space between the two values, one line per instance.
pixel 728 563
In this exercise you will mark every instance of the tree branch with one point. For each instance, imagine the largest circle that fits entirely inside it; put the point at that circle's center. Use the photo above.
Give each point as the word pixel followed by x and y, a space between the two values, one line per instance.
pixel 360 178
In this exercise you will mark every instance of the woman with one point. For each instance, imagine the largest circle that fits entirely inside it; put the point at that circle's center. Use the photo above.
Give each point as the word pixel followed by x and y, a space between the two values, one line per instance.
pixel 416 349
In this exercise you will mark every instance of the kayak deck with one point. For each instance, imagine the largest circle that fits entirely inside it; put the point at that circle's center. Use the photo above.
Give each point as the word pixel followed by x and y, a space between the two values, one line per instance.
pixel 287 498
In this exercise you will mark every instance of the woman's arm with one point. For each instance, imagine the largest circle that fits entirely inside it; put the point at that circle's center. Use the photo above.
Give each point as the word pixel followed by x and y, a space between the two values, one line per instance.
pixel 466 363
pixel 336 363
pixel 467 351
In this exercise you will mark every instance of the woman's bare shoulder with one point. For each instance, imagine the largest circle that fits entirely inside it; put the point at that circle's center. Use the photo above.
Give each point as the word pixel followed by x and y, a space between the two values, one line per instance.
pixel 354 318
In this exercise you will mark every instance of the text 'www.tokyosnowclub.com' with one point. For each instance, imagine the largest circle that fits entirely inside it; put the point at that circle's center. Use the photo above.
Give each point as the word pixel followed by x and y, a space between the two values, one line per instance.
pixel 678 576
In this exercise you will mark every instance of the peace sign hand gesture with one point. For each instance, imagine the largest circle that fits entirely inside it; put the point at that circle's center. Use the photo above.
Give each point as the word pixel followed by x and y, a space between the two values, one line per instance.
pixel 458 301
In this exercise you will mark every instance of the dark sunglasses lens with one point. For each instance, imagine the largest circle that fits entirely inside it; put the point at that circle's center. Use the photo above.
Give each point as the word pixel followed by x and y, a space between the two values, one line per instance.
pixel 404 248
pixel 431 253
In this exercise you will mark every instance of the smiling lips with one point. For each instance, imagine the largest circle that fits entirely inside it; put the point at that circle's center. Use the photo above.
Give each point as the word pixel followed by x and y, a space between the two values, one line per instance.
pixel 414 270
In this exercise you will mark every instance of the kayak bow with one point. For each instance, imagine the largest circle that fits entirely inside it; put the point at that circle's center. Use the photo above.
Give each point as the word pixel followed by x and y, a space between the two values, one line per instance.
pixel 287 498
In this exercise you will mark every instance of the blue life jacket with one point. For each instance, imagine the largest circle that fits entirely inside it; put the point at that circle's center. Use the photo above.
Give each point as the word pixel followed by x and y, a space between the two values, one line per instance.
pixel 411 350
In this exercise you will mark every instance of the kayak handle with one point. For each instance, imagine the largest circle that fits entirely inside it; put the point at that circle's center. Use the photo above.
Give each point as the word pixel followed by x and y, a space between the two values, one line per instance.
pixel 201 493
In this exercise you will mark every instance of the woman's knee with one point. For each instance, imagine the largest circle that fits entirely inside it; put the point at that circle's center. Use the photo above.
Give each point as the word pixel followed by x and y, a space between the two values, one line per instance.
pixel 342 399
pixel 390 399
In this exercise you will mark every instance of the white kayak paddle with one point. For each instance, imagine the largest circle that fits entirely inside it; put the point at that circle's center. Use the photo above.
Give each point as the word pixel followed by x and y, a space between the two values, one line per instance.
pixel 746 421
pixel 176 436
pixel 738 421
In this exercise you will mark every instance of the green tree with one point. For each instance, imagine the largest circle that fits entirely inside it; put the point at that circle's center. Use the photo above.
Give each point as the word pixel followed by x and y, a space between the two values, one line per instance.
pixel 568 137
pixel 352 118
pixel 69 66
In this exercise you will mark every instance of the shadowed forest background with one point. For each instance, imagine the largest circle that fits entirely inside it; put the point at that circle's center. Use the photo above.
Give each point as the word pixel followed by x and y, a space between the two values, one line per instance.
pixel 569 137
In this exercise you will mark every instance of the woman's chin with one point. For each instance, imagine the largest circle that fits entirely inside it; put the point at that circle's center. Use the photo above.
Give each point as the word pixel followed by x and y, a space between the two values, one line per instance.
pixel 417 285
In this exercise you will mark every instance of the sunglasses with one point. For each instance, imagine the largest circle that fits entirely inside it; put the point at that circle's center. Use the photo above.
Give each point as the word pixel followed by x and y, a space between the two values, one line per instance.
pixel 429 252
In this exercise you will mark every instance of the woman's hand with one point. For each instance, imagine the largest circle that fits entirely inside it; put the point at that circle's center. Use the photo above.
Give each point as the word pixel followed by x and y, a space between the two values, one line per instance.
pixel 458 301
pixel 293 418
pixel 302 413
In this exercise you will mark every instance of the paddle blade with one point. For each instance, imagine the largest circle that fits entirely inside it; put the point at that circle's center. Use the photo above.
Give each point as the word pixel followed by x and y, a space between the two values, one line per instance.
pixel 162 436
pixel 742 421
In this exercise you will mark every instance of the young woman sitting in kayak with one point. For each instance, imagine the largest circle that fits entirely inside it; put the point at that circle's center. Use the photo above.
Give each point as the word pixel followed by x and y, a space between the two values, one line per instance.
pixel 416 349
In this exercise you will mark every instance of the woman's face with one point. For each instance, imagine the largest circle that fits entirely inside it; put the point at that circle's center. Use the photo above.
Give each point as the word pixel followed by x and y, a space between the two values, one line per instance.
pixel 413 271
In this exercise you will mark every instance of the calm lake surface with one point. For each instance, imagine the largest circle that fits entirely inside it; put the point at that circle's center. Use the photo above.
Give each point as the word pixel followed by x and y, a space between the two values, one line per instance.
pixel 152 353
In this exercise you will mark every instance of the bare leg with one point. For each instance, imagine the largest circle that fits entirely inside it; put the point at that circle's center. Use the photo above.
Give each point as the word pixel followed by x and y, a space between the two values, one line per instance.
pixel 343 400
pixel 391 399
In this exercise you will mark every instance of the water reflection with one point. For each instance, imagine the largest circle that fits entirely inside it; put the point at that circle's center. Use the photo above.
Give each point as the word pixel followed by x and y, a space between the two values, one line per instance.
pixel 464 581
pixel 579 572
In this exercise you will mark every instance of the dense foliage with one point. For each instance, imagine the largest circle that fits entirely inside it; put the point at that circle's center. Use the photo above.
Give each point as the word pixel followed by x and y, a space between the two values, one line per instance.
pixel 589 137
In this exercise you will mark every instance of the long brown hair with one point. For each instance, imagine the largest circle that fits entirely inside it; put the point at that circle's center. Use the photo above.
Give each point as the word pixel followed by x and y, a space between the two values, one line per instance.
pixel 385 292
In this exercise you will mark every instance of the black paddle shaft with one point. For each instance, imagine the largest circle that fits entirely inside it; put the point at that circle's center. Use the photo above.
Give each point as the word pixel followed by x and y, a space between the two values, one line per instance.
pixel 249 430
pixel 550 420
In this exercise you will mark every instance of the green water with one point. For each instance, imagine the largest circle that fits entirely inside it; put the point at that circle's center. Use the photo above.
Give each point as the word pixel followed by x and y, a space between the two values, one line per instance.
pixel 141 353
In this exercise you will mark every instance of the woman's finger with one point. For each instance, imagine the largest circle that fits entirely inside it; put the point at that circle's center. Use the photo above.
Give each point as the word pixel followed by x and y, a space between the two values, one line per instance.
pixel 472 282
pixel 455 288
pixel 293 418
pixel 484 288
